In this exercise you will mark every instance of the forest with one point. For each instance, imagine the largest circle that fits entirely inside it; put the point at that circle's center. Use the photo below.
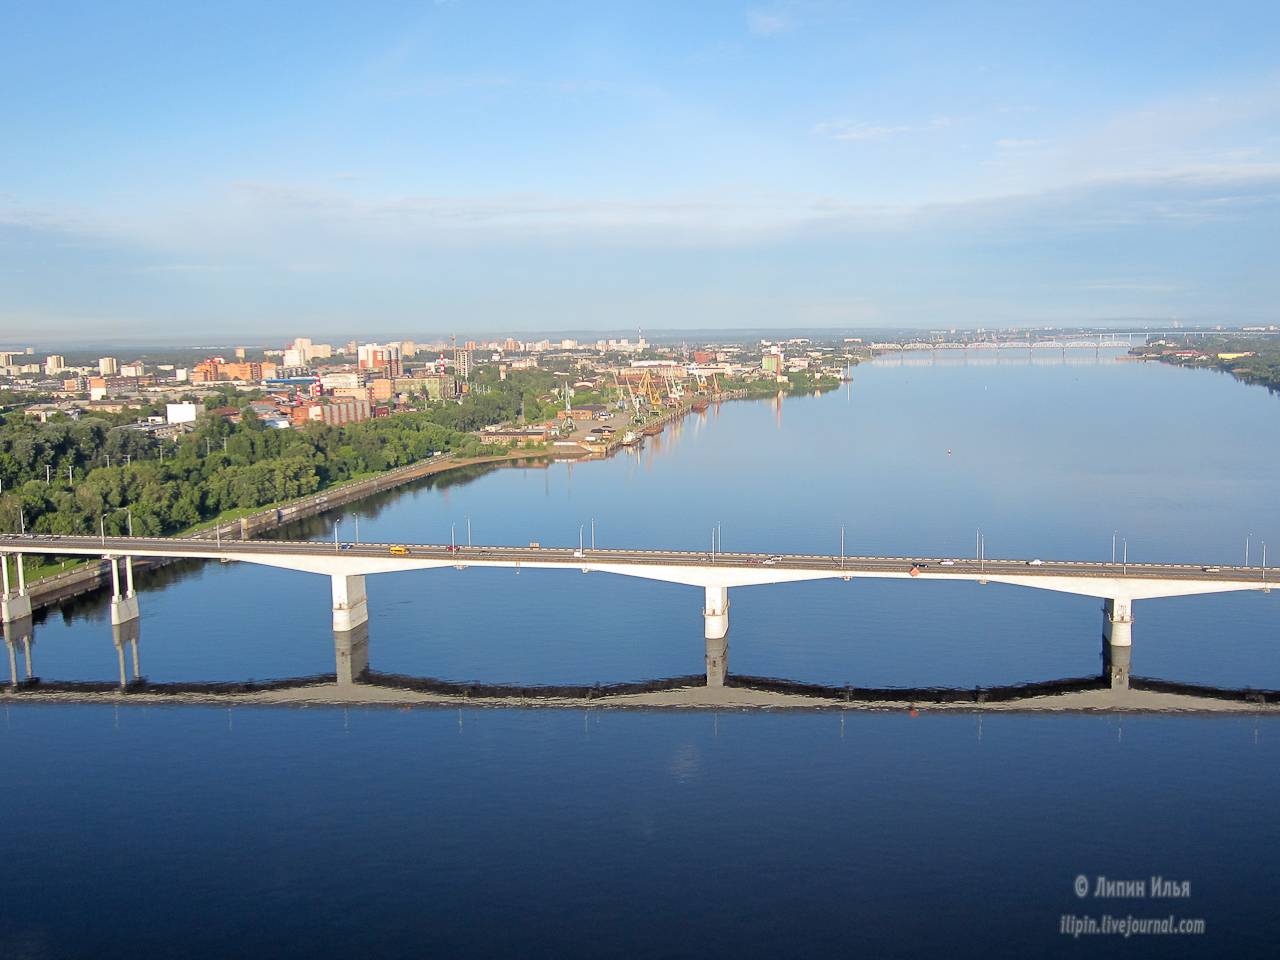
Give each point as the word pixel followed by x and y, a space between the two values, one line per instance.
pixel 82 476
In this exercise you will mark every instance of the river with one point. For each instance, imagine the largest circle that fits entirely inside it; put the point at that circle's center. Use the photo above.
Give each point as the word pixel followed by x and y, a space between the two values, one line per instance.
pixel 205 832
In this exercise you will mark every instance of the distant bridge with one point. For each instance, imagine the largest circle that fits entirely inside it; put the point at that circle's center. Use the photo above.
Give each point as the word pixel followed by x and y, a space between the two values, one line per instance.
pixel 1030 346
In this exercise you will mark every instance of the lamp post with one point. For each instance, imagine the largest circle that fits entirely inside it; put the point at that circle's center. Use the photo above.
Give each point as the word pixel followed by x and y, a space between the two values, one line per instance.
pixel 335 535
pixel 842 546
pixel 1124 570
pixel 102 528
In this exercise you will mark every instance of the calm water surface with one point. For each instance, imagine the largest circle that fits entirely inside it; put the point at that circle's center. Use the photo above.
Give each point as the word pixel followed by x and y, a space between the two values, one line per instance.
pixel 203 832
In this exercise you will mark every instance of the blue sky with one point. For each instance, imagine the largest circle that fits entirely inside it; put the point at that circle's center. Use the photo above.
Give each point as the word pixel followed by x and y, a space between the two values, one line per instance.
pixel 259 169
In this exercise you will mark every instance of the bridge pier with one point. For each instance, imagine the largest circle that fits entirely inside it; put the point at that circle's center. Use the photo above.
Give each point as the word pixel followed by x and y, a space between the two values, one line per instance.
pixel 716 619
pixel 1117 622
pixel 716 613
pixel 14 606
pixel 351 653
pixel 350 603
pixel 124 607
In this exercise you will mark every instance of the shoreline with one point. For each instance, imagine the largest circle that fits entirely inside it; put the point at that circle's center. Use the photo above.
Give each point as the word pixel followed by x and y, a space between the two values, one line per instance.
pixel 50 591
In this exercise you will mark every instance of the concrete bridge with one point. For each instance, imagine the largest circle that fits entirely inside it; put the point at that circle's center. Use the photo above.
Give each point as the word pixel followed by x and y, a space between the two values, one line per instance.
pixel 1097 345
pixel 347 565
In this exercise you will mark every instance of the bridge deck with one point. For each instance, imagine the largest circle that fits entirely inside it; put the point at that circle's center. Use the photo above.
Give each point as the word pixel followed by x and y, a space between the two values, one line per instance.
pixel 503 556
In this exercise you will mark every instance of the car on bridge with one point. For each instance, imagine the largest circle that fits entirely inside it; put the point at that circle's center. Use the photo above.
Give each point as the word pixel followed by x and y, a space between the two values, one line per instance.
pixel 399 551
pixel 1035 563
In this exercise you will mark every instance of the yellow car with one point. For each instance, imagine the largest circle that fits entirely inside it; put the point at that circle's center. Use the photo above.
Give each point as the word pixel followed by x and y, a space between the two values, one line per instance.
pixel 400 551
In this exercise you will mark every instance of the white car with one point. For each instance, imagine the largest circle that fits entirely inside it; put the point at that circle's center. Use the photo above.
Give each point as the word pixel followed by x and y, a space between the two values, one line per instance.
pixel 1035 563
pixel 947 563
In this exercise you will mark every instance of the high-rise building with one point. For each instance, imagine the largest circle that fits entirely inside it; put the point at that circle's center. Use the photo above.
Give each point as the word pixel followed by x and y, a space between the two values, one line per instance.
pixel 54 364
pixel 462 364
pixel 385 359
pixel 108 366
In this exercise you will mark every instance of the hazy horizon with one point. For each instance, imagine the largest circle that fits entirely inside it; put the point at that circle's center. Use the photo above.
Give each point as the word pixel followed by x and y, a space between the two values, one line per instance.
pixel 263 172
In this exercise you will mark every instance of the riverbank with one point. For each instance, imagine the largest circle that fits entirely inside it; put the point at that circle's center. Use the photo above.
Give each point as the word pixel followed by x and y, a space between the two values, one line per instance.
pixel 52 590
pixel 95 575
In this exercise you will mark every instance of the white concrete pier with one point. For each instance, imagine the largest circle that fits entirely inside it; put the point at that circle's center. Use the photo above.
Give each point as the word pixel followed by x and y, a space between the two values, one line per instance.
pixel 14 606
pixel 350 603
pixel 716 613
pixel 1117 622
pixel 124 606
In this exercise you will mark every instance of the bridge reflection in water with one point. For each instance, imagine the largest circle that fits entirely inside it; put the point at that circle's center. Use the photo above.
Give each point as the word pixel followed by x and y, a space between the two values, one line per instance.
pixel 354 681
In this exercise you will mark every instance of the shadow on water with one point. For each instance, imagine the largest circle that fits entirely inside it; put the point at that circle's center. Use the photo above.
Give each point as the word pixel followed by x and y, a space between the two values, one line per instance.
pixel 955 696
pixel 371 507
pixel 93 605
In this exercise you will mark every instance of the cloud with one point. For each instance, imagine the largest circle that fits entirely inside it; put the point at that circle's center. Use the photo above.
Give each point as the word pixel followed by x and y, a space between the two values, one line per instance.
pixel 768 24
pixel 1018 144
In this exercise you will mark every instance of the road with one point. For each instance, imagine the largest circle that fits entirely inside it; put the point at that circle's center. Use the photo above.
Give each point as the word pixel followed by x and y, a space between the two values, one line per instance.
pixel 933 567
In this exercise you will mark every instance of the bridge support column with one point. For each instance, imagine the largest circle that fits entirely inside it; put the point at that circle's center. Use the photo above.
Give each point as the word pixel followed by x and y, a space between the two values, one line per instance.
pixel 124 606
pixel 716 619
pixel 716 613
pixel 14 606
pixel 351 653
pixel 350 604
pixel 1117 622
